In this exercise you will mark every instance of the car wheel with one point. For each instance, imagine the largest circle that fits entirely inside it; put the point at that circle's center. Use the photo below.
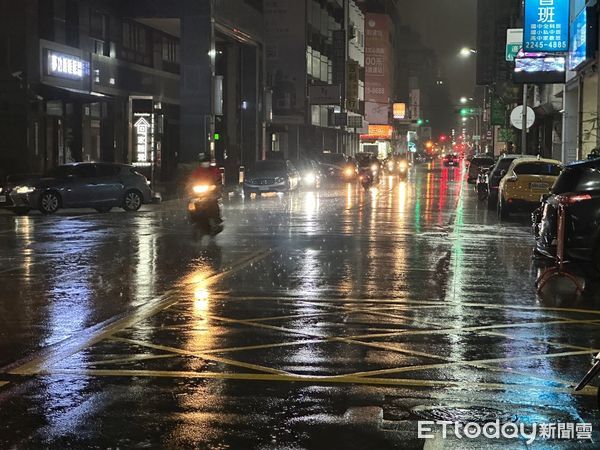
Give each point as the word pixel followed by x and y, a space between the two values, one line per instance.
pixel 103 209
pixel 132 201
pixel 21 211
pixel 49 202
pixel 503 211
pixel 247 193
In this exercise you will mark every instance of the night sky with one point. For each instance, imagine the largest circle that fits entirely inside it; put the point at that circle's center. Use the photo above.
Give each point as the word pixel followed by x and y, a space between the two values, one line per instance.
pixel 446 26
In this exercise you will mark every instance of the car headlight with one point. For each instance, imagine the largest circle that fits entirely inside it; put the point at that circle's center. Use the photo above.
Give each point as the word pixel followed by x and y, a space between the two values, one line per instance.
pixel 279 180
pixel 24 189
pixel 203 188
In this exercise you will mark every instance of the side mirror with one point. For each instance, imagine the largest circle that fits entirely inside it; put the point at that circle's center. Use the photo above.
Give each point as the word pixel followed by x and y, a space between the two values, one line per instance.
pixel 503 173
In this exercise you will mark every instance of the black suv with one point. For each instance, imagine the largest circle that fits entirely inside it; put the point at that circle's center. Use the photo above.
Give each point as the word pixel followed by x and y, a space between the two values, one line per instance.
pixel 578 189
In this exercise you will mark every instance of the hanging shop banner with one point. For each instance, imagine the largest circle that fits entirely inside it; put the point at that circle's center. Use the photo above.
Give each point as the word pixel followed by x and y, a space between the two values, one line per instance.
pixel 546 26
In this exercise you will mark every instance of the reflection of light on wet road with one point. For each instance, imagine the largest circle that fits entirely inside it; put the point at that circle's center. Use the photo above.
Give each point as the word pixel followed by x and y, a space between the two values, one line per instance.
pixel 349 195
pixel 145 268
pixel 402 195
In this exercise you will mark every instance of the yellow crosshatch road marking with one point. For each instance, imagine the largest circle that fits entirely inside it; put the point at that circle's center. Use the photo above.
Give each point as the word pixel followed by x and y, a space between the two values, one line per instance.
pixel 183 352
pixel 445 384
pixel 97 333
pixel 133 358
pixel 438 304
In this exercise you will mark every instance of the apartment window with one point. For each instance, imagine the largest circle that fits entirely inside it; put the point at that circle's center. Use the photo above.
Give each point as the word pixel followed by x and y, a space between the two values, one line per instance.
pixel 46 20
pixel 99 32
pixel 98 25
pixel 170 50
pixel 72 23
pixel 135 43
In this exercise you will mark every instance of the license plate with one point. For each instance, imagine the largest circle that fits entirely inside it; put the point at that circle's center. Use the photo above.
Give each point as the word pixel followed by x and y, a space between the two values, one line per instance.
pixel 263 188
pixel 2 198
pixel 539 186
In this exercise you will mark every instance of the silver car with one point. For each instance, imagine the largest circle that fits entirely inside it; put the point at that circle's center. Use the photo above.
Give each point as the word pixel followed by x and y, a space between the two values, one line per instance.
pixel 271 176
pixel 101 186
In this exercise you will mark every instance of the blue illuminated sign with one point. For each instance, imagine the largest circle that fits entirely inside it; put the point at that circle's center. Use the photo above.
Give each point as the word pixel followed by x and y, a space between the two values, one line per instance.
pixel 578 49
pixel 546 26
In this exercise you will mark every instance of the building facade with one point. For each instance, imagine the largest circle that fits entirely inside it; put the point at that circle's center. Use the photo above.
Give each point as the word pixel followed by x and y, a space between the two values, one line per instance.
pixel 150 83
pixel 312 46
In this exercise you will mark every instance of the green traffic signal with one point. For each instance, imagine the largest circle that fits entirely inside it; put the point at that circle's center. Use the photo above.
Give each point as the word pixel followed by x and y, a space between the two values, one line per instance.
pixel 420 122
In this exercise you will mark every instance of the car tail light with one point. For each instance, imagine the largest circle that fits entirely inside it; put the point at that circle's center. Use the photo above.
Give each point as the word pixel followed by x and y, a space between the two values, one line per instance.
pixel 570 199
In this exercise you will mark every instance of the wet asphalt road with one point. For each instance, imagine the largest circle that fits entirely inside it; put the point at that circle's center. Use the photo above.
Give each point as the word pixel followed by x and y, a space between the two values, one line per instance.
pixel 330 319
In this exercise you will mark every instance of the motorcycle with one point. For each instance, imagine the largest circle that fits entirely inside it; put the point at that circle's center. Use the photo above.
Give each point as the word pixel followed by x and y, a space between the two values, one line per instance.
pixel 403 167
pixel 593 372
pixel 204 208
pixel 367 178
pixel 482 185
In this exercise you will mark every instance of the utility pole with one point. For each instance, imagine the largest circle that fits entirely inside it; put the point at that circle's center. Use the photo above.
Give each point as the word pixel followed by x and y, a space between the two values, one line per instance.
pixel 524 118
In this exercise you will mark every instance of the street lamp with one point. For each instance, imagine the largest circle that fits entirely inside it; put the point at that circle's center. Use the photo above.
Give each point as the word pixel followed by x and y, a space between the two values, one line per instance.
pixel 465 52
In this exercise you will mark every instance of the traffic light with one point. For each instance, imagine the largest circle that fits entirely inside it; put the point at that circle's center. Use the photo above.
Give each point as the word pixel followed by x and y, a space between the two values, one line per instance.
pixel 464 112
pixel 420 122
pixel 443 138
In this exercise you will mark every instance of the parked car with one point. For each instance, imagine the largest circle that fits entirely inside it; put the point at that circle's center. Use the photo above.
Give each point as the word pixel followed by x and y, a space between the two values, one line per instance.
pixel 495 175
pixel 102 186
pixel 310 173
pixel 271 176
pixel 526 180
pixel 578 189
pixel 451 160
pixel 477 163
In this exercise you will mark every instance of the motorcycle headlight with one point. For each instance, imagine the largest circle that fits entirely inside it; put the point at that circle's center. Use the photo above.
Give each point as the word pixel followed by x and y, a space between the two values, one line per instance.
pixel 391 166
pixel 349 172
pixel 374 167
pixel 310 178
pixel 203 188
pixel 24 189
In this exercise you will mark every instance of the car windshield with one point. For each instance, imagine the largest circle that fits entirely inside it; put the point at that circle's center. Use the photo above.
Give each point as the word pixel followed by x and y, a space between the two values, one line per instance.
pixel 265 166
pixel 503 164
pixel 485 162
pixel 537 168
pixel 333 158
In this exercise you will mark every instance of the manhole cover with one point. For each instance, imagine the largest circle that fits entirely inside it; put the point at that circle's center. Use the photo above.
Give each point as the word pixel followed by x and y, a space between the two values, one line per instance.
pixel 462 414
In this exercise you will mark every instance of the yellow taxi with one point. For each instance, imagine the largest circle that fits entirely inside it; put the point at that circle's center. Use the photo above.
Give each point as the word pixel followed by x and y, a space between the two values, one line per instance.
pixel 524 183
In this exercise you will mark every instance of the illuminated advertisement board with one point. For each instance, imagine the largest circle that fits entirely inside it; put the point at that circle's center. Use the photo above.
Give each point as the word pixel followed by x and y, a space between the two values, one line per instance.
pixel 399 111
pixel 546 26
pixel 583 39
pixel 378 132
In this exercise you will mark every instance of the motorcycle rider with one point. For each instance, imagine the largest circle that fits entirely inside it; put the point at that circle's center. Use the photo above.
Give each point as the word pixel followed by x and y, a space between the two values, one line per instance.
pixel 206 172
pixel 209 174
